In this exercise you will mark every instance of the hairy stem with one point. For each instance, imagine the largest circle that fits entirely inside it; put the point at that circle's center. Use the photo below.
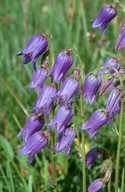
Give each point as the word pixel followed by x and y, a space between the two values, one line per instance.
pixel 53 136
pixel 83 121
pixel 53 164
pixel 118 149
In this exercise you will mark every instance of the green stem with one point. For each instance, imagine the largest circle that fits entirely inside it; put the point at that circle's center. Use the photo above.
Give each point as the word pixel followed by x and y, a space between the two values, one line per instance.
pixel 122 6
pixel 118 149
pixel 109 185
pixel 53 136
pixel 83 121
pixel 53 164
pixel 83 145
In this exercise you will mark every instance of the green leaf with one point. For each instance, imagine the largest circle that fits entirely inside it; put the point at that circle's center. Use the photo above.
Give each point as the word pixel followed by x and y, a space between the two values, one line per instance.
pixel 7 148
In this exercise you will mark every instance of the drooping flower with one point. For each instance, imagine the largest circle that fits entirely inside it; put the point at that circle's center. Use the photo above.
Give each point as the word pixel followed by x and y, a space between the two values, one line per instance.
pixel 62 64
pixel 121 38
pixel 113 62
pixel 108 174
pixel 65 140
pixel 69 88
pixel 92 156
pixel 46 97
pixel 34 124
pixel 97 120
pixel 91 86
pixel 96 185
pixel 34 48
pixel 113 99
pixel 107 13
pixel 108 84
pixel 122 71
pixel 62 118
pixel 106 164
pixel 34 144
pixel 38 77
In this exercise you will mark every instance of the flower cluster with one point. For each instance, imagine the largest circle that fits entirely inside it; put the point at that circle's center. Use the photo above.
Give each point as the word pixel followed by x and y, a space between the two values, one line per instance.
pixel 112 78
pixel 48 96
pixel 107 13
pixel 53 111
pixel 113 84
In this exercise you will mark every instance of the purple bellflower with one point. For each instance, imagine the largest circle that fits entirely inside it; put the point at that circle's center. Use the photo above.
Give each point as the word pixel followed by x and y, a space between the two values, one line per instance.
pixel 113 99
pixel 92 156
pixel 113 62
pixel 91 86
pixel 34 144
pixel 121 38
pixel 62 64
pixel 107 13
pixel 69 88
pixel 46 97
pixel 96 185
pixel 38 77
pixel 34 124
pixel 97 120
pixel 65 140
pixel 62 118
pixel 34 48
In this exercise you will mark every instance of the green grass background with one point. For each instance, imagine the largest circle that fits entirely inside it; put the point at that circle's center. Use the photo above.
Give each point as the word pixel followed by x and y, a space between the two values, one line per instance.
pixel 68 22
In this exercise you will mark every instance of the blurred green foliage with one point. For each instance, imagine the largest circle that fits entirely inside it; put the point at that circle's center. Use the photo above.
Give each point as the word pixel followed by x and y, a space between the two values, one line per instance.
pixel 68 22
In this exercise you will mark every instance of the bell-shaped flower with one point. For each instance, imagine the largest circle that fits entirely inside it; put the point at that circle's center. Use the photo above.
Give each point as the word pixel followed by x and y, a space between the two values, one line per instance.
pixel 63 62
pixel 97 120
pixel 107 13
pixel 34 124
pixel 62 118
pixel 113 62
pixel 34 48
pixel 38 77
pixel 96 185
pixel 92 156
pixel 69 88
pixel 34 144
pixel 65 140
pixel 113 99
pixel 46 97
pixel 91 86
pixel 121 38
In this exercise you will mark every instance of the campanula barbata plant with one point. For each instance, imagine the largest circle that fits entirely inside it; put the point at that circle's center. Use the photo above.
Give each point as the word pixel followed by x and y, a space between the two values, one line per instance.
pixel 52 112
